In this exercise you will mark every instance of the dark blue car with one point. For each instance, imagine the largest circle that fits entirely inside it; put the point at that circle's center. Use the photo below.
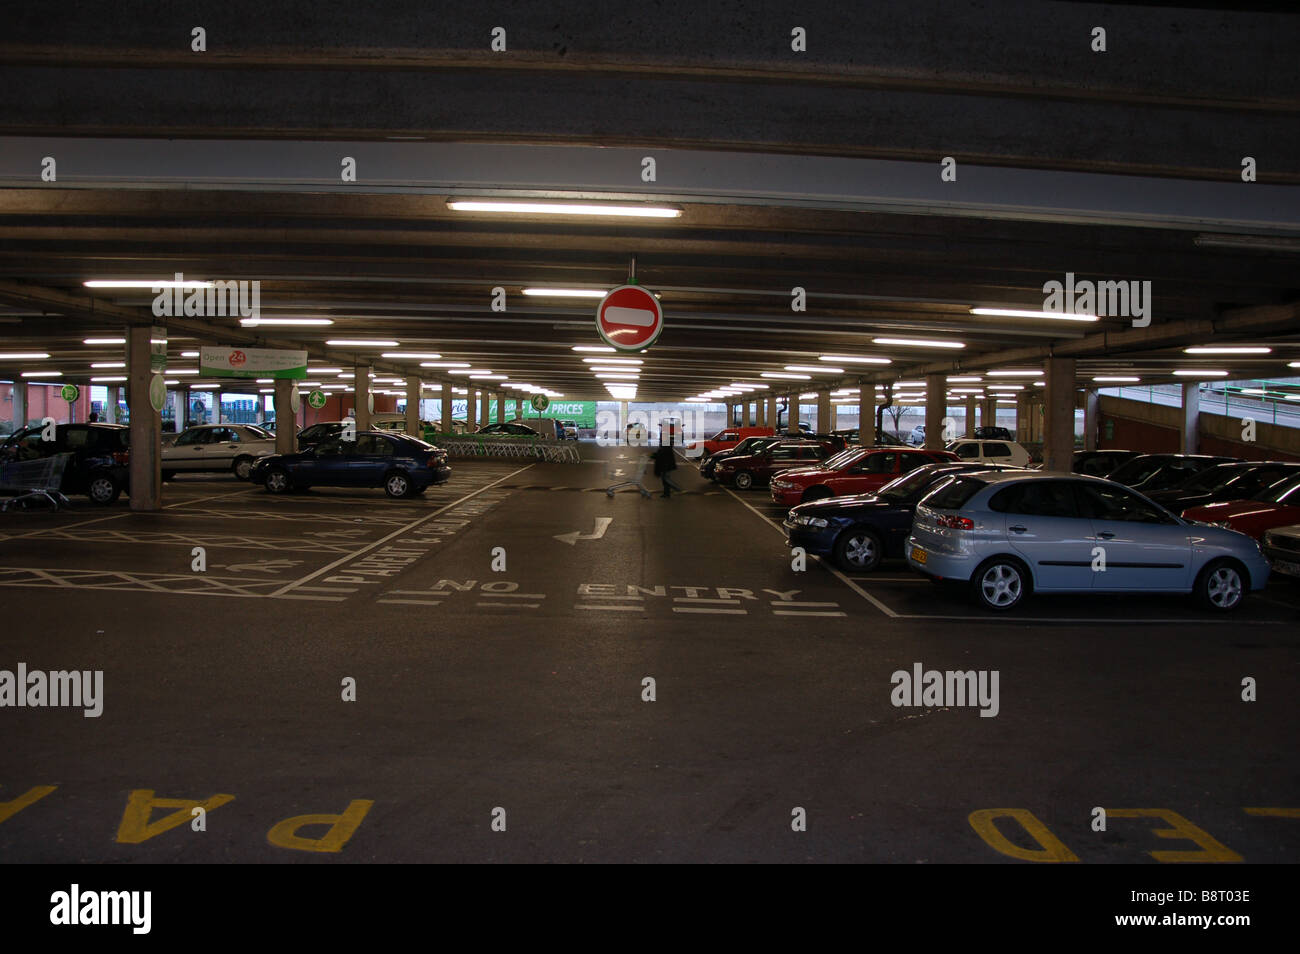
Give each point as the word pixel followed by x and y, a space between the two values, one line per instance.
pixel 858 531
pixel 402 465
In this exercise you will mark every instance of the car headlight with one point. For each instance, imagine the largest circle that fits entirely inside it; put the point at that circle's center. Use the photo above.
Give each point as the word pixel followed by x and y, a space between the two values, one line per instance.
pixel 807 521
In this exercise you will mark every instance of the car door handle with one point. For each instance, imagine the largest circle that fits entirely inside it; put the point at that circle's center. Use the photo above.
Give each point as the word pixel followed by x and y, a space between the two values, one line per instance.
pixel 1017 529
pixel 1105 535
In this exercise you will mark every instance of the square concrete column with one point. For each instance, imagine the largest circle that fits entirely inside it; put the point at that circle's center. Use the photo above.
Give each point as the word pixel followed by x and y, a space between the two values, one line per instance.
pixel 484 414
pixel 363 396
pixel 286 425
pixel 936 409
pixel 760 413
pixel 446 427
pixel 501 408
pixel 1189 435
pixel 970 415
pixel 1091 418
pixel 824 421
pixel 146 424
pixel 413 392
pixel 20 403
pixel 771 412
pixel 866 414
pixel 1058 415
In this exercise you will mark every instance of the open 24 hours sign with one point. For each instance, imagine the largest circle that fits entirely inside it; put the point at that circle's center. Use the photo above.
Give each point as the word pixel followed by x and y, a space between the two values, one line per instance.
pixel 235 362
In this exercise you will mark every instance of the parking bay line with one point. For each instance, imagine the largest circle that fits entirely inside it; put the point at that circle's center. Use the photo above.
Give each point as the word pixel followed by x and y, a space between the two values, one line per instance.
pixel 116 516
pixel 710 609
pixel 843 579
pixel 396 533
pixel 611 607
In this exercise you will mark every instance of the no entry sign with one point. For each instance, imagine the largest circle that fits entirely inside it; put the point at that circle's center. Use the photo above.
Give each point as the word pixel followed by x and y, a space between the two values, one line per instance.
pixel 629 318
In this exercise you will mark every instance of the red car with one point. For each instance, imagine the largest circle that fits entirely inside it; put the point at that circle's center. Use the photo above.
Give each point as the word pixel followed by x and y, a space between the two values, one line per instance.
pixel 858 470
pixel 1277 506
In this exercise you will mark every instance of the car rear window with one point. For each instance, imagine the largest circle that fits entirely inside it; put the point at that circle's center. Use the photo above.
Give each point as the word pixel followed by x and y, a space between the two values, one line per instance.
pixel 953 495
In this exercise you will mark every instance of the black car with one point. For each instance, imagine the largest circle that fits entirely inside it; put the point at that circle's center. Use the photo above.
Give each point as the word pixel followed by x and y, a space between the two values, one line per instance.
pixel 402 465
pixel 507 430
pixel 99 467
pixel 1224 482
pixel 1151 472
pixel 750 445
pixel 860 530
pixel 990 433
pixel 883 438
pixel 1100 463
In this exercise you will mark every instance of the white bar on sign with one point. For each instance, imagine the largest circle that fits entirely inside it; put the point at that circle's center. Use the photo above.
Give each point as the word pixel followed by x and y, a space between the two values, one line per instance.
pixel 636 317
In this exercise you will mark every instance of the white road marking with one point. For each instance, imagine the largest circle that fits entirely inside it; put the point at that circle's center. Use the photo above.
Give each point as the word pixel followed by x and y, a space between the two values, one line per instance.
pixel 807 613
pixel 800 603
pixel 511 605
pixel 396 533
pixel 611 607
pixel 710 609
pixel 704 599
pixel 416 602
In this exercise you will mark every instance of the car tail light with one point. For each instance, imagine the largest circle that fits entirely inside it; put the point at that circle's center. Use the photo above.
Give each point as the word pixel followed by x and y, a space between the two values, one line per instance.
pixel 121 458
pixel 955 523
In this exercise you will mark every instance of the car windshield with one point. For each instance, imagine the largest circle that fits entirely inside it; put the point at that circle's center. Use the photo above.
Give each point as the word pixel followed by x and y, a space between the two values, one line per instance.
pixel 1212 479
pixel 842 459
pixel 909 485
pixel 1139 468
pixel 1284 491
pixel 259 431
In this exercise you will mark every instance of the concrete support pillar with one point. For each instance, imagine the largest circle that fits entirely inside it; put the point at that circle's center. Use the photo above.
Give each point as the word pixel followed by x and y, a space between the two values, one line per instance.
pixel 483 414
pixel 622 422
pixel 20 403
pixel 867 414
pixel 824 424
pixel 447 415
pixel 971 401
pixel 216 406
pixel 363 397
pixel 413 406
pixel 471 411
pixel 501 408
pixel 1091 418
pixel 760 413
pixel 286 430
pixel 1189 435
pixel 936 408
pixel 771 412
pixel 1058 415
pixel 989 412
pixel 146 424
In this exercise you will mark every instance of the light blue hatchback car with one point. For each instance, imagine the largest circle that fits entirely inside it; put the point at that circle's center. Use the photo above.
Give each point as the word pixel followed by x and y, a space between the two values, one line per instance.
pixel 1009 533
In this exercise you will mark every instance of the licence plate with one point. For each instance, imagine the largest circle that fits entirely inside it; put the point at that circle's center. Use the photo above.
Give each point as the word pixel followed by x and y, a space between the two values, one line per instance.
pixel 1287 567
pixel 918 554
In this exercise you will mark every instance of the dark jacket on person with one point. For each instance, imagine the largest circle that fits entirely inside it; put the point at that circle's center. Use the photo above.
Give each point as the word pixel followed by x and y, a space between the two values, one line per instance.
pixel 665 460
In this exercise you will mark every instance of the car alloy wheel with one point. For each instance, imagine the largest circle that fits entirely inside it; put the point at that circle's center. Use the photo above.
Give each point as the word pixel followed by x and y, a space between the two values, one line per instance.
pixel 397 485
pixel 243 467
pixel 744 480
pixel 1220 587
pixel 102 489
pixel 999 584
pixel 277 481
pixel 859 551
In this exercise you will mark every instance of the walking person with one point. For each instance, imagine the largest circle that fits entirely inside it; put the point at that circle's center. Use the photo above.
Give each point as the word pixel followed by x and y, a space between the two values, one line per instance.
pixel 665 463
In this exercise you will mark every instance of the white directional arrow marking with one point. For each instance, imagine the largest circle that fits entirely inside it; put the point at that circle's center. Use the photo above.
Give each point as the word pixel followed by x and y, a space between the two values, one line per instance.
pixel 602 524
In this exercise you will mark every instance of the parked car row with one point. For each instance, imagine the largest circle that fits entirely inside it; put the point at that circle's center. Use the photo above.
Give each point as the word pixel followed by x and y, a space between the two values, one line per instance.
pixel 1004 532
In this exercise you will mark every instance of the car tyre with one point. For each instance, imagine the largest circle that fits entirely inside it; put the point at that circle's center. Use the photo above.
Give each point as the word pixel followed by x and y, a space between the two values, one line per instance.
pixel 277 481
pixel 1001 583
pixel 744 480
pixel 242 467
pixel 858 550
pixel 816 493
pixel 103 489
pixel 397 484
pixel 1221 586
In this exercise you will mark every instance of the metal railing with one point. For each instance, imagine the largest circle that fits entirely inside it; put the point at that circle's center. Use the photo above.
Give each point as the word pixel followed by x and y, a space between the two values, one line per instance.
pixel 528 448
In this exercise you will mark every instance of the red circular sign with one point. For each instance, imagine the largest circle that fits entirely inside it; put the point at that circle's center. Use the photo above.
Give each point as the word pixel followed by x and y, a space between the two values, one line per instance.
pixel 237 358
pixel 629 318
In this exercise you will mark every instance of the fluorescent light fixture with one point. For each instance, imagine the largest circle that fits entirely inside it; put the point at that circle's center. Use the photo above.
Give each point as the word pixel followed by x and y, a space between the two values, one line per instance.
pixel 466 370
pixel 107 379
pixel 143 283
pixel 813 370
pixel 444 364
pixel 108 364
pixel 1196 373
pixel 298 322
pixel 189 354
pixel 602 349
pixel 565 293
pixel 1293 364
pixel 999 388
pixel 23 356
pixel 1015 374
pixel 266 390
pixel 850 359
pixel 182 370
pixel 103 341
pixel 786 377
pixel 325 370
pixel 171 381
pixel 1040 384
pixel 698 400
pixel 751 387
pixel 612 367
pixel 967 390
pixel 265 381
pixel 919 342
pixel 1023 313
pixel 808 396
pixel 206 387
pixel 425 355
pixel 1228 350
pixel 487 377
pixel 965 379
pixel 565 208
pixel 1116 379
pixel 618 377
pixel 909 384
pixel 360 343
pixel 633 361
pixel 42 374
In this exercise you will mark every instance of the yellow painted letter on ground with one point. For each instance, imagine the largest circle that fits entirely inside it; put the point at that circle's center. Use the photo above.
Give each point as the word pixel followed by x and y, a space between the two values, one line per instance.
pixel 342 827
pixel 1053 849
pixel 140 804
pixel 1182 829
pixel 34 794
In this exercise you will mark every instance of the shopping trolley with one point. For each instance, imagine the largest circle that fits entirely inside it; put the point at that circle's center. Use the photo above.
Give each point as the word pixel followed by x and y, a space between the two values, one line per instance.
pixel 621 477
pixel 34 479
